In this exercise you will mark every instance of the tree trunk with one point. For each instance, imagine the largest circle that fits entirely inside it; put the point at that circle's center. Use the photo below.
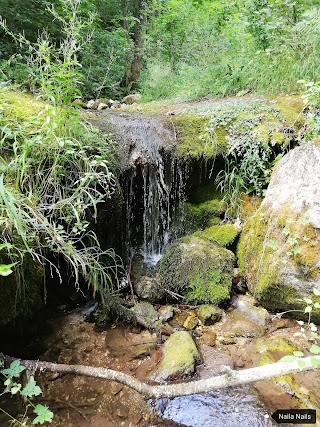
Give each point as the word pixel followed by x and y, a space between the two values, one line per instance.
pixel 227 379
pixel 134 59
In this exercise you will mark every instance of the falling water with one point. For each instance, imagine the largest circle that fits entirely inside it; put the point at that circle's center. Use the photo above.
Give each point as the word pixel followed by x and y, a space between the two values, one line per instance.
pixel 157 205
pixel 152 180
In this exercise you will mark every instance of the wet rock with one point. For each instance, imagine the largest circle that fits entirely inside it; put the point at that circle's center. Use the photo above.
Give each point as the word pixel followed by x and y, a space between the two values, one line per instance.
pixel 179 357
pixel 131 99
pixel 209 314
pixel 213 361
pixel 191 321
pixel 149 289
pixel 235 324
pixel 145 314
pixel 165 312
pixel 246 306
pixel 208 338
pixel 129 346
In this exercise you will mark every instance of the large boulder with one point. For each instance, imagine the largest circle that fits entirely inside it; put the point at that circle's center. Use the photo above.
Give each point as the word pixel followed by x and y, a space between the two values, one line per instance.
pixel 199 270
pixel 279 249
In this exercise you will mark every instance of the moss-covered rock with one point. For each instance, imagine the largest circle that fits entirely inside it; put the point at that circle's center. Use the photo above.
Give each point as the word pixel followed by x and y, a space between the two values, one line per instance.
pixel 180 355
pixel 221 235
pixel 21 293
pixel 199 270
pixel 279 249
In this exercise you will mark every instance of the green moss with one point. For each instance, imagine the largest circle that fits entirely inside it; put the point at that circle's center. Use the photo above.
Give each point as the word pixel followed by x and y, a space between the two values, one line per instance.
pixel 190 133
pixel 208 287
pixel 204 209
pixel 21 292
pixel 221 235
pixel 278 277
pixel 291 109
pixel 197 269
pixel 19 105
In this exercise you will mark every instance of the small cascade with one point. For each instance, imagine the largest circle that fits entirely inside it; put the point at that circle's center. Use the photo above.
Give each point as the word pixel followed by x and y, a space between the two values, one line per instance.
pixel 157 206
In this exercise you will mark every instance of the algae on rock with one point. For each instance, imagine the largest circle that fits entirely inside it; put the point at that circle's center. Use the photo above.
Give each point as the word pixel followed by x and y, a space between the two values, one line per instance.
pixel 180 355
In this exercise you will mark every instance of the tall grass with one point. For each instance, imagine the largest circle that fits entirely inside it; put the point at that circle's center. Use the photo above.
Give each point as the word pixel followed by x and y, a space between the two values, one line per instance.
pixel 55 169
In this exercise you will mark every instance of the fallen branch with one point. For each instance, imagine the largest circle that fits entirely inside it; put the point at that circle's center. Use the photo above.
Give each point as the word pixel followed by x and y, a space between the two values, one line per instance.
pixel 229 378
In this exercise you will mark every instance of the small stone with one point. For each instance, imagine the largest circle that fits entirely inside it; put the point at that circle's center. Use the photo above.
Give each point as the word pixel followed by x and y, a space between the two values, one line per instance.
pixel 79 103
pixel 208 338
pixel 191 321
pixel 209 314
pixel 165 312
pixel 102 106
pixel 131 99
pixel 90 103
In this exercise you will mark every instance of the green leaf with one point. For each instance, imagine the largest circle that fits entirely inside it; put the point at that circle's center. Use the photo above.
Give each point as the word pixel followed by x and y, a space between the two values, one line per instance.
pixel 316 305
pixel 307 300
pixel 15 369
pixel 5 269
pixel 286 231
pixel 315 361
pixel 300 322
pixel 315 349
pixel 316 292
pixel 288 358
pixel 313 327
pixel 273 244
pixel 16 388
pixel 298 354
pixel 308 309
pixel 31 389
pixel 301 364
pixel 43 414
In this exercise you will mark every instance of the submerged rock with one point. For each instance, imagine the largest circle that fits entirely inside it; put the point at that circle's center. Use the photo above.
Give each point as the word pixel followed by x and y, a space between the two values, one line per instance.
pixel 198 270
pixel 179 357
pixel 279 249
pixel 245 305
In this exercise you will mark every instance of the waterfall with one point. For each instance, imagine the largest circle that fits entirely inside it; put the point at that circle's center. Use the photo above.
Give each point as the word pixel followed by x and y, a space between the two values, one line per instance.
pixel 152 180
pixel 154 195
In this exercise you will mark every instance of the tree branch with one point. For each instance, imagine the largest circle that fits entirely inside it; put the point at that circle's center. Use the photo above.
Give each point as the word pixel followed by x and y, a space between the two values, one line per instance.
pixel 228 378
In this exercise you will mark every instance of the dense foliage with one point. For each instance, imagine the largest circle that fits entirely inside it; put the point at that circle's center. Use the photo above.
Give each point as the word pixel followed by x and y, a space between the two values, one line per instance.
pixel 184 48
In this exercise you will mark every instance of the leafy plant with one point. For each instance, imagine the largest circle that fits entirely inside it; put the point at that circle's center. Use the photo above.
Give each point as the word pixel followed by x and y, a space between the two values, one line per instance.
pixel 309 331
pixel 30 390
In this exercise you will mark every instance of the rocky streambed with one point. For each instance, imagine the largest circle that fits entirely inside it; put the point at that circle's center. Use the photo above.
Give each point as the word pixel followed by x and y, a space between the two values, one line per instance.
pixel 243 336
